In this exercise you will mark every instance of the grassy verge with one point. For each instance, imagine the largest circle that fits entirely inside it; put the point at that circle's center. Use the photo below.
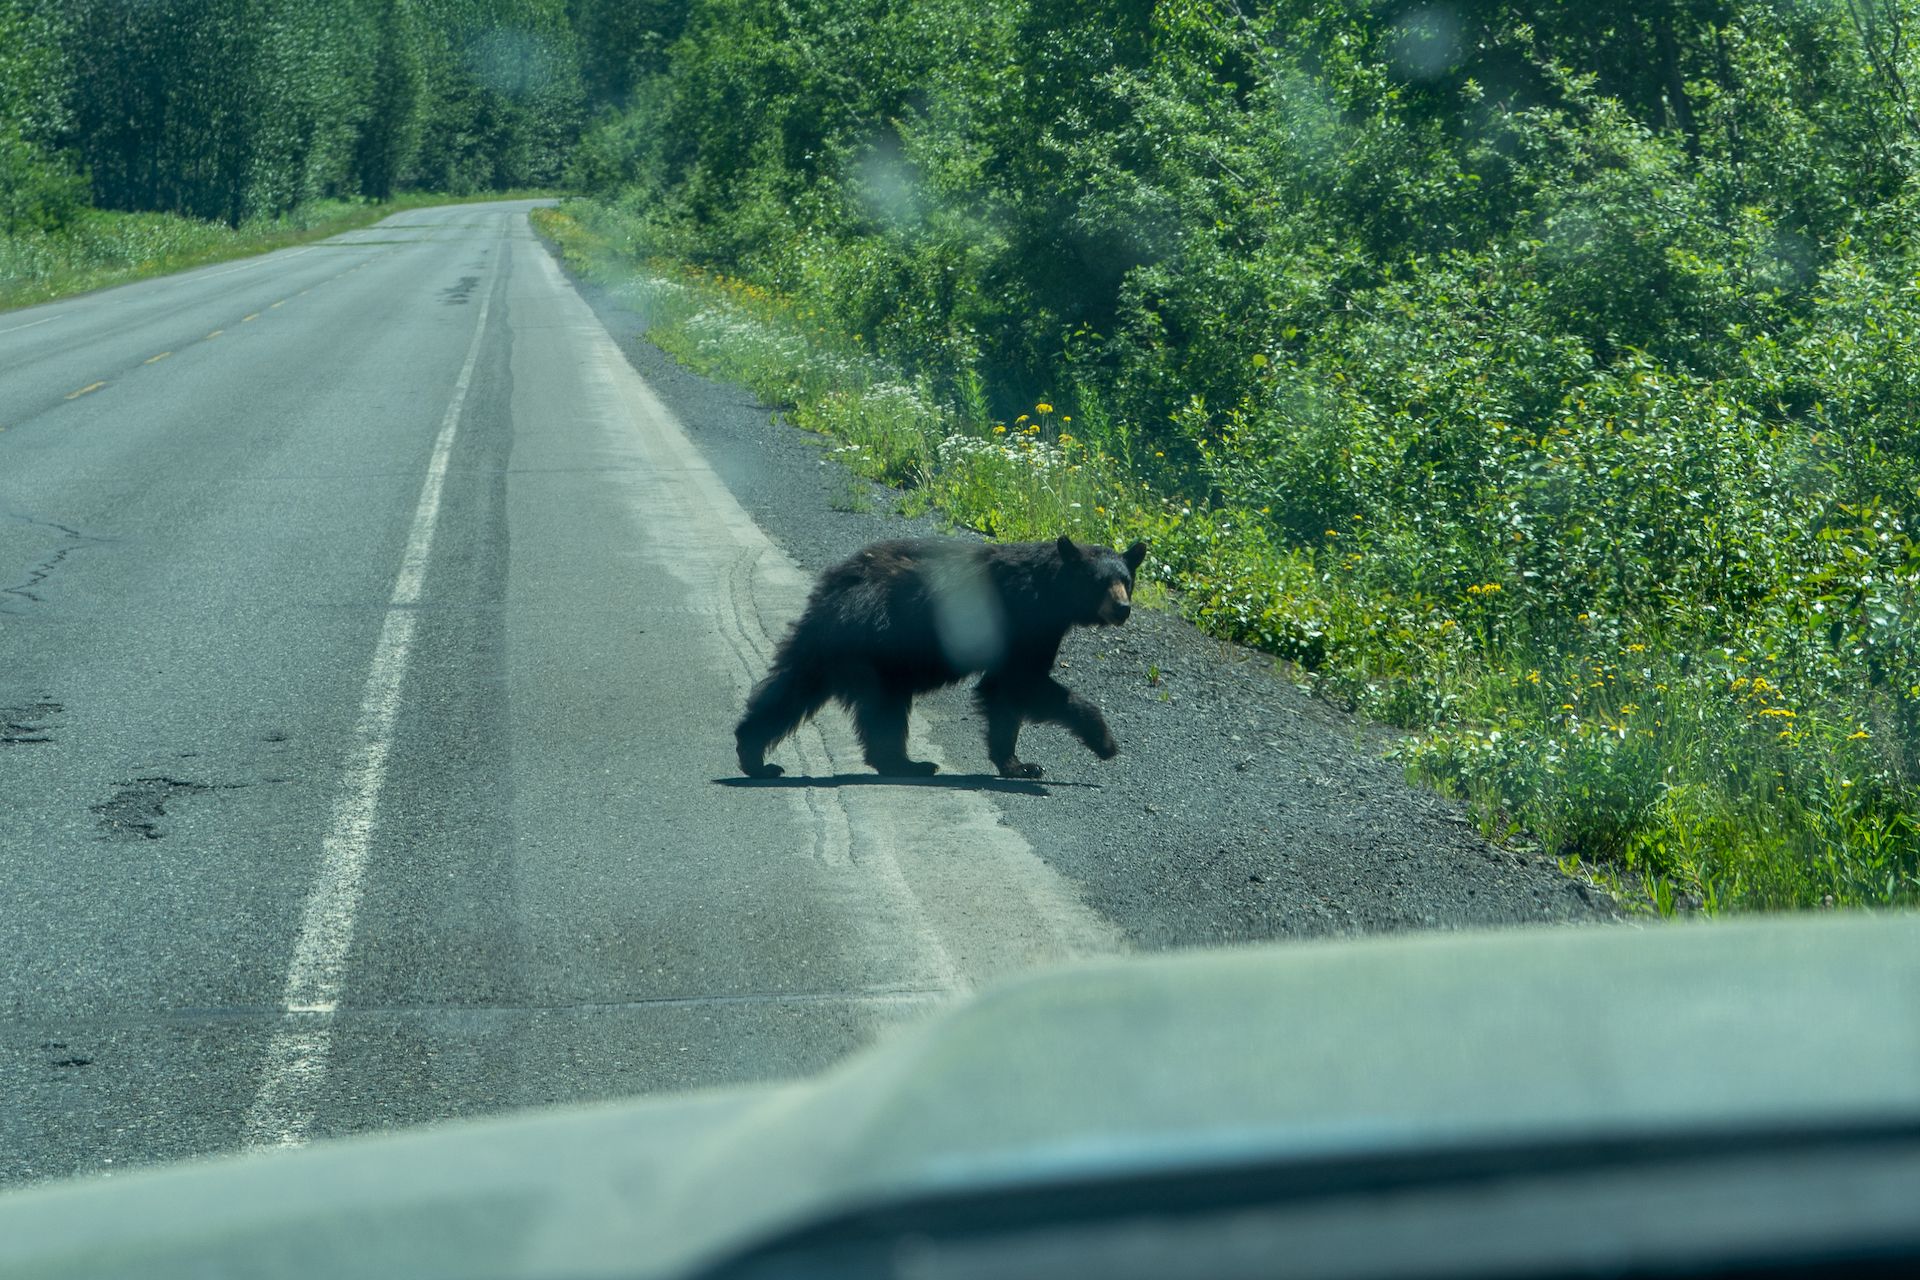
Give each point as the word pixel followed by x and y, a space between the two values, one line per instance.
pixel 1685 776
pixel 100 249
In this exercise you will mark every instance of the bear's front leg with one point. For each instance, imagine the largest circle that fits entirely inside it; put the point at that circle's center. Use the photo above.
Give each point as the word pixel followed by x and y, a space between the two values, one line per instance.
pixel 1085 722
pixel 1004 716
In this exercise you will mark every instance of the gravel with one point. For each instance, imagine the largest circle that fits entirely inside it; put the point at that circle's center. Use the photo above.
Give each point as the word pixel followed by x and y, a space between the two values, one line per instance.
pixel 1240 808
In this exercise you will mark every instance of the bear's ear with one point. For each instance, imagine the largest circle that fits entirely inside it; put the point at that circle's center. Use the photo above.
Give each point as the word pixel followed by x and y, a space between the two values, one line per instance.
pixel 1069 549
pixel 1134 555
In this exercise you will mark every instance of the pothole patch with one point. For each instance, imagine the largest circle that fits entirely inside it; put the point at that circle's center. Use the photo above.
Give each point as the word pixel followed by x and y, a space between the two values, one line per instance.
pixel 134 812
pixel 28 725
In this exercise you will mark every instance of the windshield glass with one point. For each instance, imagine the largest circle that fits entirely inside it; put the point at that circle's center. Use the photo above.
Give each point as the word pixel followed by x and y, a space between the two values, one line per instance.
pixel 559 551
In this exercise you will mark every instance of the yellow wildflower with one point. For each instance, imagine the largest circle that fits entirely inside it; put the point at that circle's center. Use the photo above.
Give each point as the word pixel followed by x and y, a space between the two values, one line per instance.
pixel 1043 407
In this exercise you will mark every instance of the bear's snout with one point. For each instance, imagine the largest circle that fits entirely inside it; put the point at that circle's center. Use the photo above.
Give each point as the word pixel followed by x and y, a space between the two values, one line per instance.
pixel 1115 605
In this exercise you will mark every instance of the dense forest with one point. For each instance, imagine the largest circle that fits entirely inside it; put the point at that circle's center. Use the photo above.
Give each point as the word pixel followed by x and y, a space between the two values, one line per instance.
pixel 240 109
pixel 1539 377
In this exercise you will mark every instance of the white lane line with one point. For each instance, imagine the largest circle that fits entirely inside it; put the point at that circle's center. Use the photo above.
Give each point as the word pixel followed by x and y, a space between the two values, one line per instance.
pixel 278 256
pixel 17 328
pixel 296 1066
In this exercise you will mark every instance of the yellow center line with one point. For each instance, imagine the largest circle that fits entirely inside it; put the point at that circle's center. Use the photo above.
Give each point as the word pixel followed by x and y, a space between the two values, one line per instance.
pixel 156 359
pixel 254 316
pixel 92 386
pixel 216 333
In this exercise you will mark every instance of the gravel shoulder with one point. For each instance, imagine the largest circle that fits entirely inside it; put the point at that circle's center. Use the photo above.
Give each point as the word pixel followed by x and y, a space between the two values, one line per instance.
pixel 1240 808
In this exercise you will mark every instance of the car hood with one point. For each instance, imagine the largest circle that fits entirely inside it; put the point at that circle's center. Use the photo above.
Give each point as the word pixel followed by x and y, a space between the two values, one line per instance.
pixel 1283 1053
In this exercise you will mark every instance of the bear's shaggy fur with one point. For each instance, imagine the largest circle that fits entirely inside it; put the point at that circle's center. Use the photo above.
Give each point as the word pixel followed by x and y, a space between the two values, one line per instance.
pixel 901 618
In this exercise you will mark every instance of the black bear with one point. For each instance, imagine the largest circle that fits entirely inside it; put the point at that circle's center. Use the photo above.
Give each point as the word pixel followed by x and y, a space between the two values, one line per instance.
pixel 901 618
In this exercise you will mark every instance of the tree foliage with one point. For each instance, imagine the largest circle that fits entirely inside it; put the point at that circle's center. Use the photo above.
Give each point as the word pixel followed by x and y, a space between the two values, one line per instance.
pixel 242 109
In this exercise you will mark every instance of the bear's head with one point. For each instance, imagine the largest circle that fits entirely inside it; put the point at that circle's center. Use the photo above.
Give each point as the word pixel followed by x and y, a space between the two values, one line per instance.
pixel 1099 581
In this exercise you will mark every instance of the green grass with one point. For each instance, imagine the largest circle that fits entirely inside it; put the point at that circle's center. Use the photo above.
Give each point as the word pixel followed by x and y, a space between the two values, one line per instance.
pixel 100 249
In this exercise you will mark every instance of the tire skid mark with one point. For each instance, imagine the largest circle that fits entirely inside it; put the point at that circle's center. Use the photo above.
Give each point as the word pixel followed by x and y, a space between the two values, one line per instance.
pixel 283 1109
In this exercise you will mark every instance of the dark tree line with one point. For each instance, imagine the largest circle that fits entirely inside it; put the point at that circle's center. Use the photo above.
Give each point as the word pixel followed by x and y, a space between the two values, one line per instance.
pixel 240 109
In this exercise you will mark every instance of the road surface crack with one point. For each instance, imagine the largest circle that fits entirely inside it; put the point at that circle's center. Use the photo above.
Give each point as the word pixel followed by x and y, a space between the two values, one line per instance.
pixel 28 587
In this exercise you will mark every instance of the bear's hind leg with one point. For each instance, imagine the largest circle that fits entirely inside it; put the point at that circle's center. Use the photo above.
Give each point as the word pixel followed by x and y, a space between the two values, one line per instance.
pixel 775 709
pixel 880 718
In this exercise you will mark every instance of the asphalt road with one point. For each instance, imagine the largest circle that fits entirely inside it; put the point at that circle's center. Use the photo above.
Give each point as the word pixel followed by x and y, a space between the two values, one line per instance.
pixel 370 637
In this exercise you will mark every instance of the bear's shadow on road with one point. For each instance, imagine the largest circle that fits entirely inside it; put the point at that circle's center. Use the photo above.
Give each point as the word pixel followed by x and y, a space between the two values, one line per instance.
pixel 951 781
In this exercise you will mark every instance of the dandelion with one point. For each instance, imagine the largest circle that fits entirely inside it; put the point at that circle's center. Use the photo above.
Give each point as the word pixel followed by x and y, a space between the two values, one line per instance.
pixel 999 428
pixel 1043 407
pixel 1858 735
pixel 1533 676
